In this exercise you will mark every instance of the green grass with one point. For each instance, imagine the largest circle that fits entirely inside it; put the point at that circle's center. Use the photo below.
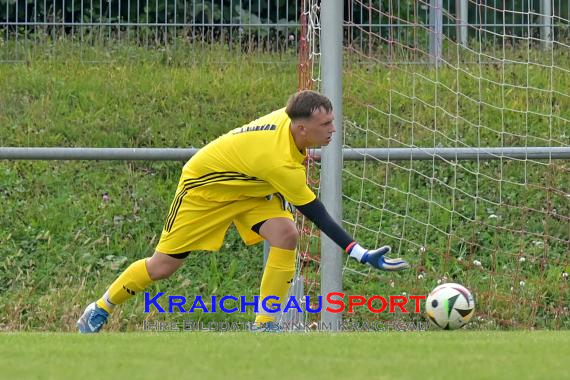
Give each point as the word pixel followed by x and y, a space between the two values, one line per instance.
pixel 138 98
pixel 392 355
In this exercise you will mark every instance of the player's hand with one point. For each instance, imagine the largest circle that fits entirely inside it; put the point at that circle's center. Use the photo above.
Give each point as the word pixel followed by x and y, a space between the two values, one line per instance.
pixel 378 260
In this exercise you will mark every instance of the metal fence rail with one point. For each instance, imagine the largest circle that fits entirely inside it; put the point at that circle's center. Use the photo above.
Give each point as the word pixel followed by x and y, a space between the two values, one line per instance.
pixel 349 154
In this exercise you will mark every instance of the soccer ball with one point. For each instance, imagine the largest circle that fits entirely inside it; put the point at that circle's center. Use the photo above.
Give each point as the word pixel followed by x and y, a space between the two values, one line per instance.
pixel 450 306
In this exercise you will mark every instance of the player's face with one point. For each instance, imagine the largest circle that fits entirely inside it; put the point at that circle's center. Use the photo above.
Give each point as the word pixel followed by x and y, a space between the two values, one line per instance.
pixel 319 128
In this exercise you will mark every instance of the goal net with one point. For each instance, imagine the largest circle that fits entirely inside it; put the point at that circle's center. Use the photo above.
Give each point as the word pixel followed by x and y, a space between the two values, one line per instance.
pixel 478 90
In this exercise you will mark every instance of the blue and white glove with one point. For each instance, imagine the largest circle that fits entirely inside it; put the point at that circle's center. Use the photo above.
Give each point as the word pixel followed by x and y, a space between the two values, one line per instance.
pixel 377 258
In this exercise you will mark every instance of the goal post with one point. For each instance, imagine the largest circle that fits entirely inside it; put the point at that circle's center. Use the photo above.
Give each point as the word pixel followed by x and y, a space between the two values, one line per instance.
pixel 331 161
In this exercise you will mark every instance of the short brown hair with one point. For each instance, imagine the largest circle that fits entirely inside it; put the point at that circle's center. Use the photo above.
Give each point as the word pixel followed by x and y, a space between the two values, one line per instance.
pixel 301 105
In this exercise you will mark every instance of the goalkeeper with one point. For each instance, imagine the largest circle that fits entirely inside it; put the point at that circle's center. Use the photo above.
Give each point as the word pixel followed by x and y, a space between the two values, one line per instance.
pixel 247 177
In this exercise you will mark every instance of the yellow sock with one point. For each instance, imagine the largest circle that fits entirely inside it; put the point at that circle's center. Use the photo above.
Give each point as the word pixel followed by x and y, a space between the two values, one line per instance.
pixel 133 280
pixel 276 280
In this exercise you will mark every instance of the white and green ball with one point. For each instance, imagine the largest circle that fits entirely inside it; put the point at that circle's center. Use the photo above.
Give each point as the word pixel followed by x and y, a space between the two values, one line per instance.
pixel 450 306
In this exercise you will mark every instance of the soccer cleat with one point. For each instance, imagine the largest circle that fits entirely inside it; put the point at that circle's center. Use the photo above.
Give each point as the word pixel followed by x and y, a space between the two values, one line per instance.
pixel 92 320
pixel 377 260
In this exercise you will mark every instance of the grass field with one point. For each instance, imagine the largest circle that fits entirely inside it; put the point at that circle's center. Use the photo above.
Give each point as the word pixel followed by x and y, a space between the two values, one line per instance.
pixel 422 355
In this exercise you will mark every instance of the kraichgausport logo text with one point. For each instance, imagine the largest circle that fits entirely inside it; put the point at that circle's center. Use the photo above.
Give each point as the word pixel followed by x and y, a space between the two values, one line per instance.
pixel 231 304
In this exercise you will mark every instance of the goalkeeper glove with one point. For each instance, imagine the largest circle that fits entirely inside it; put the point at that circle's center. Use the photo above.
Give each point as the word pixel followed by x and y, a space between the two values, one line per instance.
pixel 377 258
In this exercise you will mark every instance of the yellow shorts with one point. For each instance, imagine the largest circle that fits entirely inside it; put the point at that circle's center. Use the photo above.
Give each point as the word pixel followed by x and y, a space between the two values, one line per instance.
pixel 194 223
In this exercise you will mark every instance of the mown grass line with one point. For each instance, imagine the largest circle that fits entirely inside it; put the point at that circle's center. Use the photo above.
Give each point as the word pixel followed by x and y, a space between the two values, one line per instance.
pixel 391 355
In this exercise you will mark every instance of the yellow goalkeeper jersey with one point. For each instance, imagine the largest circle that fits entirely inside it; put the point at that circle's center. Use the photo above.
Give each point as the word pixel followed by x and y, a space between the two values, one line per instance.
pixel 255 160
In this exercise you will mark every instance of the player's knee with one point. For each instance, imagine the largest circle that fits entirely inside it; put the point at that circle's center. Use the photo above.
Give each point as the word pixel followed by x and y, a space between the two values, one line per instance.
pixel 280 233
pixel 289 238
pixel 160 266
pixel 161 272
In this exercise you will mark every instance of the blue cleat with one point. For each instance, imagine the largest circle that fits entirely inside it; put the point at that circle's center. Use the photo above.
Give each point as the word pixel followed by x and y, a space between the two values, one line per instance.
pixel 92 320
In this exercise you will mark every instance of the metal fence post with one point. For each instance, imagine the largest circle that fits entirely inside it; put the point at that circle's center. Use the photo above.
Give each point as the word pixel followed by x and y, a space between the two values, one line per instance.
pixel 462 11
pixel 546 23
pixel 436 30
